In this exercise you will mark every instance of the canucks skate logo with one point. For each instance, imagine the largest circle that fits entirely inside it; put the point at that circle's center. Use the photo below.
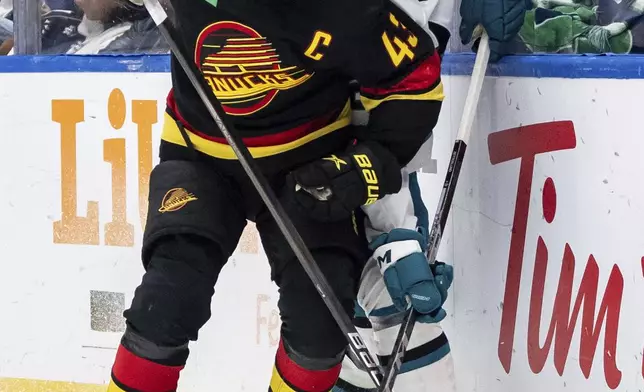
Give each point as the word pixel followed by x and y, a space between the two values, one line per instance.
pixel 175 199
pixel 242 67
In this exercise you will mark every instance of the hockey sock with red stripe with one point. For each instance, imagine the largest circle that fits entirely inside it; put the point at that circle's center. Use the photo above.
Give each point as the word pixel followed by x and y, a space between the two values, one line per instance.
pixel 132 373
pixel 288 376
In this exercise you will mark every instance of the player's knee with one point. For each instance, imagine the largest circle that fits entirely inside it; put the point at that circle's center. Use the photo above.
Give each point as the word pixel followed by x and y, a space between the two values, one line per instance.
pixel 310 333
pixel 173 301
pixel 184 248
pixel 314 341
pixel 312 345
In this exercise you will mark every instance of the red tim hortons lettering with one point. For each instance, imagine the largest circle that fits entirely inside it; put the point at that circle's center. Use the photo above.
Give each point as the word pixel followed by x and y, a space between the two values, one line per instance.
pixel 563 322
pixel 525 143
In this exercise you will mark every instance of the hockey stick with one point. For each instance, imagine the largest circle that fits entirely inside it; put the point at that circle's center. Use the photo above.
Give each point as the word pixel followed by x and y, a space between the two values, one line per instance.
pixel 359 351
pixel 444 203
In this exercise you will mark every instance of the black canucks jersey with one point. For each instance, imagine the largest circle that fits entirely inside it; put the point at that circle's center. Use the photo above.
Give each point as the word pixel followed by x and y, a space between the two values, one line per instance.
pixel 282 68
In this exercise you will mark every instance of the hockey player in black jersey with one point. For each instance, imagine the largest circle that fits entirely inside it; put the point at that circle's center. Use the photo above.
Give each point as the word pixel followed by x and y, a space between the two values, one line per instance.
pixel 281 69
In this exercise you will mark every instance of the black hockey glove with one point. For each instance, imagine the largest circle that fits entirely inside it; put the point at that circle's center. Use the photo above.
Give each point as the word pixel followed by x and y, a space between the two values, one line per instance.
pixel 331 188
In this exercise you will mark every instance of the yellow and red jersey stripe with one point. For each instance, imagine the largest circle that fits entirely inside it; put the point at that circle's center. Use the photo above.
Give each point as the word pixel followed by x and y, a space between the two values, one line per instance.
pixel 259 146
pixel 422 84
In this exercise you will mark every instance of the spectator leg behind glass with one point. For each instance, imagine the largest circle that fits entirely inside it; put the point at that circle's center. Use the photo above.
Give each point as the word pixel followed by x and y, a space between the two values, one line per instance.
pixel 6 36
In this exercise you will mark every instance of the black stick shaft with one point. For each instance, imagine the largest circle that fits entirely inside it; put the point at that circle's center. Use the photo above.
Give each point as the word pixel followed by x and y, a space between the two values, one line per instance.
pixel 445 202
pixel 435 236
pixel 359 351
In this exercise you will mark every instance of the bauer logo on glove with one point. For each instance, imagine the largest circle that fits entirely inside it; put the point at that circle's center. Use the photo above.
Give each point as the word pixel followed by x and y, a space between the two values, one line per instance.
pixel 331 188
pixel 370 177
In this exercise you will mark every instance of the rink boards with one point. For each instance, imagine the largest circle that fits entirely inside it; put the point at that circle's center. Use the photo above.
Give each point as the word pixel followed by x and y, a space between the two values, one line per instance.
pixel 546 232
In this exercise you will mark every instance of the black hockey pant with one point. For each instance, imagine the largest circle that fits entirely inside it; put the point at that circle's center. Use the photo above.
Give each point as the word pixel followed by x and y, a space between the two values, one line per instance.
pixel 196 216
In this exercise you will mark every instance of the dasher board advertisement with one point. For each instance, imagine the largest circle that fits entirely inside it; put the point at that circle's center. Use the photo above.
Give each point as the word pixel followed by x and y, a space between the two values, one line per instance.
pixel 545 231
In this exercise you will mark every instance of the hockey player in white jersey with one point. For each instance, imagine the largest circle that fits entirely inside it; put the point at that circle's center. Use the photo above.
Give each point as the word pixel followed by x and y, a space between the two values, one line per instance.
pixel 397 227
pixel 398 224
